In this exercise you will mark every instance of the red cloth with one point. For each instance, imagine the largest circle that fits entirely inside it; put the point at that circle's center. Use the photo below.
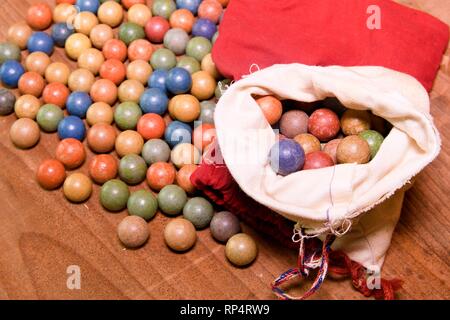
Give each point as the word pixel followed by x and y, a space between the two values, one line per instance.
pixel 329 32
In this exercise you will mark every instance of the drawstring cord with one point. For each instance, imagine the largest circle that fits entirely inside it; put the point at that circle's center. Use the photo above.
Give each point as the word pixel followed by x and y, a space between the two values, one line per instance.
pixel 306 262
pixel 337 262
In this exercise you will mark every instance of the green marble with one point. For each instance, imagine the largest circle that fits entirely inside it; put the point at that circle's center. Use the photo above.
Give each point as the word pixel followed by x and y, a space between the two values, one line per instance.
pixel 189 63
pixel 163 59
pixel 9 51
pixel 198 47
pixel 129 32
pixel 126 115
pixel 171 200
pixel 374 139
pixel 142 203
pixel 163 8
pixel 199 211
pixel 114 195
pixel 156 150
pixel 49 116
pixel 132 169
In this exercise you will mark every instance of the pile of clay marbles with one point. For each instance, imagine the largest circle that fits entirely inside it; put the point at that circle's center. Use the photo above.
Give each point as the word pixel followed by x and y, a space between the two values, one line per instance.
pixel 141 98
pixel 320 134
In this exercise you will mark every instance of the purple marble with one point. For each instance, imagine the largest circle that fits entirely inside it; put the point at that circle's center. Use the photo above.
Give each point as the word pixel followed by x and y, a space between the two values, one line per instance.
pixel 286 157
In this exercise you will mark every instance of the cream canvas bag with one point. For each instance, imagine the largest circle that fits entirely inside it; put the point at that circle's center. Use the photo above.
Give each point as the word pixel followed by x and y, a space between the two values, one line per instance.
pixel 360 204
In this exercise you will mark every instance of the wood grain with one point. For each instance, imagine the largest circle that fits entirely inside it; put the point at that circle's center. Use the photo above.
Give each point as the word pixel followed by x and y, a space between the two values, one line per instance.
pixel 41 234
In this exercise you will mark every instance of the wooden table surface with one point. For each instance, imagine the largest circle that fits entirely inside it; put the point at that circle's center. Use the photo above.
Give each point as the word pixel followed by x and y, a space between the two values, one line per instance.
pixel 41 234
